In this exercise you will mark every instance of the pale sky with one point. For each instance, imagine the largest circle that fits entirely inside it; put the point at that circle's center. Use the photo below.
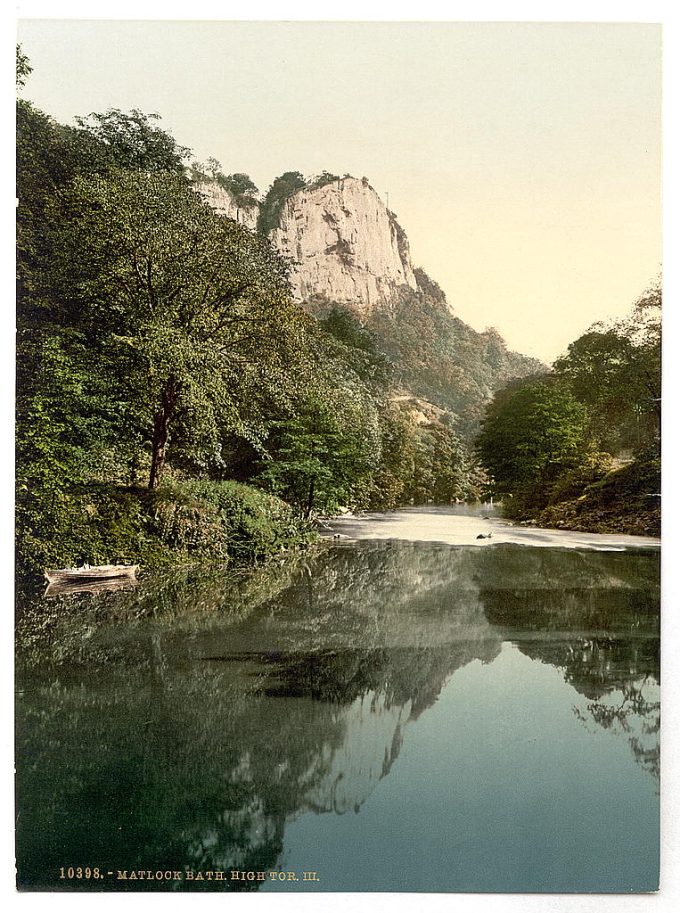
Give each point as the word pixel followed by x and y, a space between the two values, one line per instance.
pixel 523 160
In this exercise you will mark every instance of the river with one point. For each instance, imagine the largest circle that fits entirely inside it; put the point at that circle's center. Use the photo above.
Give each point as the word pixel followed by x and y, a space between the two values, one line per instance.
pixel 404 708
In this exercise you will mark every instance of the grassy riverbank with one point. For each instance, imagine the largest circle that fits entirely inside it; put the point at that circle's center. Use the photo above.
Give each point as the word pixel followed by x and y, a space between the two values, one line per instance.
pixel 624 500
pixel 179 522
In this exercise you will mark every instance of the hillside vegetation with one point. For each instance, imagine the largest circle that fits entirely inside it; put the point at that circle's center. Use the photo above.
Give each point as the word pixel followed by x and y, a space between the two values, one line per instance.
pixel 579 447
pixel 159 348
pixel 174 402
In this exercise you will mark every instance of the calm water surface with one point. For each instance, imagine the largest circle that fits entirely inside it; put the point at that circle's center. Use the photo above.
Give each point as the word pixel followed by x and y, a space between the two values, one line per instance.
pixel 396 716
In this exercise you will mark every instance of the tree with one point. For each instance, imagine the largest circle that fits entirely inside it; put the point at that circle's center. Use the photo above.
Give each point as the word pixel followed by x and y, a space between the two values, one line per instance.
pixel 239 186
pixel 643 328
pixel 321 455
pixel 213 167
pixel 615 371
pixel 358 348
pixel 281 189
pixel 532 432
pixel 180 301
pixel 132 141
pixel 23 68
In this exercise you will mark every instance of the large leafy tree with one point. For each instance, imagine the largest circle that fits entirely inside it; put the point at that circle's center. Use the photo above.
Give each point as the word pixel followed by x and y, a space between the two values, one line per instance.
pixel 180 301
pixel 131 140
pixel 615 371
pixel 323 455
pixel 532 432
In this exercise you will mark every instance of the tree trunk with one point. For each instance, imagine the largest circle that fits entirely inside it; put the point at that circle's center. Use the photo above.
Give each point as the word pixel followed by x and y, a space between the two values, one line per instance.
pixel 310 498
pixel 161 425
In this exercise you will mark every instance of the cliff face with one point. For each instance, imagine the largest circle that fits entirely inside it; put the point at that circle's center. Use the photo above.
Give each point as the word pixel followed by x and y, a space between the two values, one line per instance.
pixel 348 250
pixel 348 246
pixel 227 205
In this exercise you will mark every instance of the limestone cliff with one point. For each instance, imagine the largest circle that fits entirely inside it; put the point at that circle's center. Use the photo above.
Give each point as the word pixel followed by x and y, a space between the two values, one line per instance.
pixel 348 248
pixel 348 251
pixel 226 204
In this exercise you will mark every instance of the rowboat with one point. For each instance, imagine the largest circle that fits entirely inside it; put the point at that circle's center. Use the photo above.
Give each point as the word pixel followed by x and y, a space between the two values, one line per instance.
pixel 105 585
pixel 87 574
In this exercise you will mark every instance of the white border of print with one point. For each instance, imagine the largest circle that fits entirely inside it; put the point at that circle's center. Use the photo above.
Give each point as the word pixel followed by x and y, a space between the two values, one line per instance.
pixel 668 898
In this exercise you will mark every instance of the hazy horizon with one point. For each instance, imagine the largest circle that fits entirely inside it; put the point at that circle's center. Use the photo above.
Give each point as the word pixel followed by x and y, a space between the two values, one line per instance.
pixel 523 160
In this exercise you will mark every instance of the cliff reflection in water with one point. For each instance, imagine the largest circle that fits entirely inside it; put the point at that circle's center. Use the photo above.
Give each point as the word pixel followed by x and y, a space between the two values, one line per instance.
pixel 205 714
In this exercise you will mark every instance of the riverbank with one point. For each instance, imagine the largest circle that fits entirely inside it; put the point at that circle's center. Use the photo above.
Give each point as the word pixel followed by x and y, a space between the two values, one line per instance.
pixel 625 500
pixel 465 524
pixel 177 523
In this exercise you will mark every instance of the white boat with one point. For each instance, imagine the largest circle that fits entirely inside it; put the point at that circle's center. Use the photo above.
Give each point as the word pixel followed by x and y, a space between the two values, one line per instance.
pixel 87 574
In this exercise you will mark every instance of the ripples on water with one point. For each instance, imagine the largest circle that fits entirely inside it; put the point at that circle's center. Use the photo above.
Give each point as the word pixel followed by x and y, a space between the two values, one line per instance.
pixel 393 715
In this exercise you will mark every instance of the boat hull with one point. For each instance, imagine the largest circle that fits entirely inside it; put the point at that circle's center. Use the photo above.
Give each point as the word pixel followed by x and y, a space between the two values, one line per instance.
pixel 92 574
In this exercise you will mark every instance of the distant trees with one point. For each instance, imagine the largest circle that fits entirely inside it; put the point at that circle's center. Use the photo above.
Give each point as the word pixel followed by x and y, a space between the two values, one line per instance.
pixel 444 360
pixel 281 189
pixel 239 185
pixel 615 371
pixel 551 438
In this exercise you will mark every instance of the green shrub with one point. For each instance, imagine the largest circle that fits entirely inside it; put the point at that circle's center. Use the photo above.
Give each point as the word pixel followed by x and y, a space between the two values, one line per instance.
pixel 180 521
pixel 571 484
pixel 98 525
pixel 226 520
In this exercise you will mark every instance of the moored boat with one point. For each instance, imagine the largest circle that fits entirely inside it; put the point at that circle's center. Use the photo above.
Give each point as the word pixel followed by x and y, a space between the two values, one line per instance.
pixel 87 574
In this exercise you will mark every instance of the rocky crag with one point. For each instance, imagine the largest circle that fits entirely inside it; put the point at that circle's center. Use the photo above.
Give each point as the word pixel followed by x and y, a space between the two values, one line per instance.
pixel 348 251
pixel 347 245
pixel 227 204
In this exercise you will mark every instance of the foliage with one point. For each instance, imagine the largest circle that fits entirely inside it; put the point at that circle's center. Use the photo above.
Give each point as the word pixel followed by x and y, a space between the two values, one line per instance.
pixel 571 484
pixel 133 293
pixel 440 473
pixel 360 348
pixel 624 500
pixel 533 431
pixel 181 298
pixel 317 456
pixel 224 520
pixel 240 187
pixel 444 360
pixel 45 163
pixel 191 521
pixel 616 372
pixel 281 189
pixel 85 523
pixel 133 141
pixel 23 68
pixel 605 400
pixel 159 341
pixel 321 180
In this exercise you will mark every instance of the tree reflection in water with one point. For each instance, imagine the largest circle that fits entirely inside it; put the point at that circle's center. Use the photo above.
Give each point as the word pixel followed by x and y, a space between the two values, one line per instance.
pixel 637 717
pixel 604 634
pixel 185 724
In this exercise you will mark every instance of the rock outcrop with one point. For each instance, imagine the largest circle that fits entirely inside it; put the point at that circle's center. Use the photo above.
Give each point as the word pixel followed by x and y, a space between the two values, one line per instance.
pixel 348 250
pixel 226 204
pixel 347 246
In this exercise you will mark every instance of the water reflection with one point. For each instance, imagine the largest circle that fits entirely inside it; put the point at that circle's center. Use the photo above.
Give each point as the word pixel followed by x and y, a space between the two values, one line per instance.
pixel 597 621
pixel 185 725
